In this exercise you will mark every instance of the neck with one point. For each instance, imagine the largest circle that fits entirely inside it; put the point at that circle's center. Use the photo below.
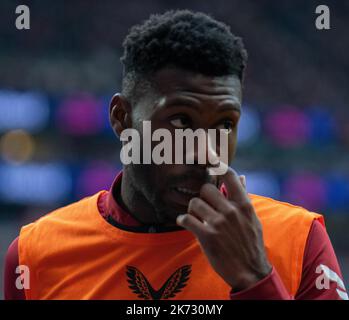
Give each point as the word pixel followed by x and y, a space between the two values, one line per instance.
pixel 134 202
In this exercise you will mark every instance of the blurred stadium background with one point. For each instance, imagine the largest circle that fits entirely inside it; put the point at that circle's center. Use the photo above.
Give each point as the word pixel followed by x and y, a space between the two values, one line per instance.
pixel 56 80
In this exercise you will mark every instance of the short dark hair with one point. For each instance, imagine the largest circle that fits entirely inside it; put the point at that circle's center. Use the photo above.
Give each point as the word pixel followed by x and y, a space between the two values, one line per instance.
pixel 193 41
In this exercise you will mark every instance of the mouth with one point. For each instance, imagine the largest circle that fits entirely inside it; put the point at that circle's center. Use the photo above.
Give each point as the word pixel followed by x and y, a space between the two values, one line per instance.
pixel 182 189
pixel 187 191
pixel 181 195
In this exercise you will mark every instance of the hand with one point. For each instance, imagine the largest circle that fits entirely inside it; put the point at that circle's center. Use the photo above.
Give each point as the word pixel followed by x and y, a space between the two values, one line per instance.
pixel 229 232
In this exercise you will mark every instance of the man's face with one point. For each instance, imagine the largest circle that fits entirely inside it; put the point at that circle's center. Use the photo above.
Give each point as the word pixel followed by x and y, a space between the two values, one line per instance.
pixel 184 100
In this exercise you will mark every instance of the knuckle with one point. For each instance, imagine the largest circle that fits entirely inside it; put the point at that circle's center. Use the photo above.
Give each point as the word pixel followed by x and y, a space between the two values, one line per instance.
pixel 231 212
pixel 219 223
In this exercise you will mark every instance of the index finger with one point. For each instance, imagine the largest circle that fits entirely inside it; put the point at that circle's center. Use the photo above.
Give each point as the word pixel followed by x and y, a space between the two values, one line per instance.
pixel 235 189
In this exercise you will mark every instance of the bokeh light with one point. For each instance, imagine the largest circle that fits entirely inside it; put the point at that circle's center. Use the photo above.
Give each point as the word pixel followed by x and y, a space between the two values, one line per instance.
pixel 288 126
pixel 249 126
pixel 338 192
pixel 263 183
pixel 17 146
pixel 94 177
pixel 307 190
pixel 35 183
pixel 81 115
pixel 23 110
pixel 322 126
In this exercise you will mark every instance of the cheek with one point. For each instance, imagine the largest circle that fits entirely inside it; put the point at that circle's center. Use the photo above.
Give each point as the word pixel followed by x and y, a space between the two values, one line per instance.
pixel 157 175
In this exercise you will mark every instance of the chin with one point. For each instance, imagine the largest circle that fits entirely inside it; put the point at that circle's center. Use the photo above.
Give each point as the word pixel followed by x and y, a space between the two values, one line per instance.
pixel 174 211
pixel 169 214
pixel 170 207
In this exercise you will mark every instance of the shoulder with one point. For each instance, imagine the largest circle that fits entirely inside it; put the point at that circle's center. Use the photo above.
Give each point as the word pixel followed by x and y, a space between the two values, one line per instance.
pixel 48 233
pixel 59 223
pixel 286 228
pixel 73 211
pixel 268 208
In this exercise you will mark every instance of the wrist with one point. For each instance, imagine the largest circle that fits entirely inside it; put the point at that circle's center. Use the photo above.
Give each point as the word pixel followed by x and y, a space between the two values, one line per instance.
pixel 247 280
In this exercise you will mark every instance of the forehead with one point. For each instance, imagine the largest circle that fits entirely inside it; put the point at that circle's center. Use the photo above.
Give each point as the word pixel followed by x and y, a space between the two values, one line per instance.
pixel 177 83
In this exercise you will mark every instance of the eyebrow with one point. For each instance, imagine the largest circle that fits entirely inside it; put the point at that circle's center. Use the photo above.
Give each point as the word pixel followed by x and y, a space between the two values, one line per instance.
pixel 226 106
pixel 183 102
pixel 231 106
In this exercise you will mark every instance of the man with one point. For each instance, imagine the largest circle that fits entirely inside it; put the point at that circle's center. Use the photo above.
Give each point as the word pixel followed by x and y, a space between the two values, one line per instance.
pixel 173 231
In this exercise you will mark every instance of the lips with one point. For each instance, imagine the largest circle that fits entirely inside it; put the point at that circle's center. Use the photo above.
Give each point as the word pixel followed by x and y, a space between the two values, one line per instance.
pixel 183 193
pixel 182 188
pixel 179 197
pixel 189 187
pixel 187 191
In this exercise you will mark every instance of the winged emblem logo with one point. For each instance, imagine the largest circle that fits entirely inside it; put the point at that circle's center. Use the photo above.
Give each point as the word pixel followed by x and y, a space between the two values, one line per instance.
pixel 140 285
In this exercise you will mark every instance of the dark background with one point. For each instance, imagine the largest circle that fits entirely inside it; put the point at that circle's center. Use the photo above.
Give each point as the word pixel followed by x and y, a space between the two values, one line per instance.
pixel 56 80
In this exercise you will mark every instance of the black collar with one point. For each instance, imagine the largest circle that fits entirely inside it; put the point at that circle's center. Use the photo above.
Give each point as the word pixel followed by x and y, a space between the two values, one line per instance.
pixel 144 228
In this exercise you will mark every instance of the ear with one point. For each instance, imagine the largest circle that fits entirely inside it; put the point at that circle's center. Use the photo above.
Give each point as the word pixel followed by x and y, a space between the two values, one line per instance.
pixel 119 113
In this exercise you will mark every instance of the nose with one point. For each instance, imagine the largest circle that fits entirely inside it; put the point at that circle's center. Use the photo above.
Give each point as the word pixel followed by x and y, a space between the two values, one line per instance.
pixel 204 150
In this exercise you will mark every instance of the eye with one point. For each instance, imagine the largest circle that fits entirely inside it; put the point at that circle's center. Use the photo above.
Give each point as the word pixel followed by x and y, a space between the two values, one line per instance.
pixel 180 121
pixel 226 125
